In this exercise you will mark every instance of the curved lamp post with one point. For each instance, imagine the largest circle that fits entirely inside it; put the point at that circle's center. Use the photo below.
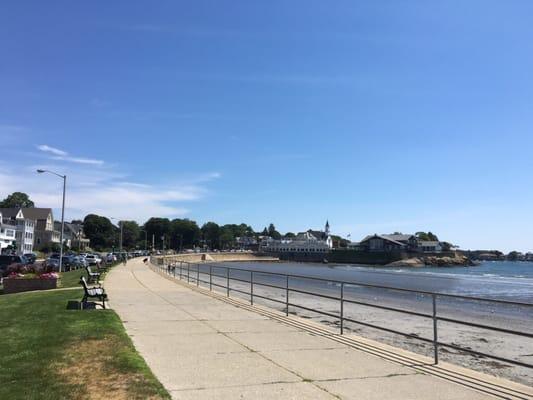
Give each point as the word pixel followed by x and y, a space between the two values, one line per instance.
pixel 64 177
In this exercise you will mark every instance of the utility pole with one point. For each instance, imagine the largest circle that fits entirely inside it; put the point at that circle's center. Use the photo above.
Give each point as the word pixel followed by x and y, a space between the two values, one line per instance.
pixel 64 177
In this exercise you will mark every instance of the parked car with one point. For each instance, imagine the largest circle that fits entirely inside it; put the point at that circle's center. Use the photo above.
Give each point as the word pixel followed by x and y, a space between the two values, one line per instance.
pixel 111 258
pixel 80 262
pixel 52 263
pixel 31 257
pixel 93 259
pixel 6 260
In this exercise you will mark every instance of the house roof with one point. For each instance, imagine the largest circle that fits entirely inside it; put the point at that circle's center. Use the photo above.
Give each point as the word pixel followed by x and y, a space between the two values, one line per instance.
pixel 36 213
pixel 9 212
pixel 398 237
pixel 318 234
pixel 384 237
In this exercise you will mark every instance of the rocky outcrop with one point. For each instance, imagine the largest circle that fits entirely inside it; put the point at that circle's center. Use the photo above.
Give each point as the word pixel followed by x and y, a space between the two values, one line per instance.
pixel 408 262
pixel 434 261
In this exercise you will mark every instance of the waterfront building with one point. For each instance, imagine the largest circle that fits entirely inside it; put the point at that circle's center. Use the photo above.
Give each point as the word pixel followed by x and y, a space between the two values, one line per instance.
pixel 310 241
pixel 396 243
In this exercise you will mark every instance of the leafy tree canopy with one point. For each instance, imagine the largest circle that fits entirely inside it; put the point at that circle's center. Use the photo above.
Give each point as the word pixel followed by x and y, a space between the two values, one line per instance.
pixel 17 199
pixel 184 233
pixel 100 231
pixel 427 236
pixel 211 234
pixel 130 234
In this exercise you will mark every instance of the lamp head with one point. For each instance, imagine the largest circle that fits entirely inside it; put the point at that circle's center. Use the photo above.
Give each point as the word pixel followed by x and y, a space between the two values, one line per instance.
pixel 40 171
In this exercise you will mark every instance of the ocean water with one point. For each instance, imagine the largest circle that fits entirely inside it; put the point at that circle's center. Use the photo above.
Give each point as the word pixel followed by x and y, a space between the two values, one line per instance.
pixel 492 279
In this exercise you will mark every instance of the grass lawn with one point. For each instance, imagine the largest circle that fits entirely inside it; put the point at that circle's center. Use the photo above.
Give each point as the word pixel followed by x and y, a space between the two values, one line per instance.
pixel 72 278
pixel 50 352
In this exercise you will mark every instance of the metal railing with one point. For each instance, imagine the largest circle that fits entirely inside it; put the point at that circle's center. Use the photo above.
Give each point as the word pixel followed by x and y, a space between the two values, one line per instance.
pixel 192 273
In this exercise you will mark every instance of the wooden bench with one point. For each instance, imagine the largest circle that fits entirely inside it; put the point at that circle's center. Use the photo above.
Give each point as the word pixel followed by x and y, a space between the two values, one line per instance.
pixel 92 292
pixel 92 276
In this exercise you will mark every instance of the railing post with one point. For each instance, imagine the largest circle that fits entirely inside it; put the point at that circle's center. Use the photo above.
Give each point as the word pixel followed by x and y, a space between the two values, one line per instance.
pixel 210 277
pixel 188 273
pixel 342 308
pixel 197 274
pixel 287 295
pixel 227 282
pixel 181 270
pixel 252 288
pixel 435 332
pixel 174 271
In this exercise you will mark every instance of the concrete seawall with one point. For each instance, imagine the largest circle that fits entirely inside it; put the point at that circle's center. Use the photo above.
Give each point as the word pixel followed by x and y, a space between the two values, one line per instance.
pixel 212 257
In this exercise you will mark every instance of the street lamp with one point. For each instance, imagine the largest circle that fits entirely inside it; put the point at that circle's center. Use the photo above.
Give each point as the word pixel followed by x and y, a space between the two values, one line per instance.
pixel 64 177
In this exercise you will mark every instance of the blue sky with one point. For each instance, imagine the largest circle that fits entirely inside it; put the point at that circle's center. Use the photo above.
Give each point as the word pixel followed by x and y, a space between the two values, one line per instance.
pixel 379 116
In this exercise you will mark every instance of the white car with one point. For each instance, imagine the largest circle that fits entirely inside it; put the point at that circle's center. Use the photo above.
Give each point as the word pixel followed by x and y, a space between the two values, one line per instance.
pixel 111 258
pixel 93 259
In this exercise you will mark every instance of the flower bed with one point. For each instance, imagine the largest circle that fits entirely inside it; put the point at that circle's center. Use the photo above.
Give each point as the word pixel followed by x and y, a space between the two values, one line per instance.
pixel 23 278
pixel 15 285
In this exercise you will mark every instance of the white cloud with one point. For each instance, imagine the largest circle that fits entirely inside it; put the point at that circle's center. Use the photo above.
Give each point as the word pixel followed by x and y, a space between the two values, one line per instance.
pixel 102 191
pixel 53 150
pixel 64 156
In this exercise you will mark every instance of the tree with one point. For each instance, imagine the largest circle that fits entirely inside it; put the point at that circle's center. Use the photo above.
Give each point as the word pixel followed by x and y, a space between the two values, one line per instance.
pixel 17 200
pixel 130 234
pixel 227 237
pixel 290 235
pixel 273 233
pixel 100 231
pixel 211 234
pixel 427 236
pixel 158 228
pixel 184 233
pixel 339 242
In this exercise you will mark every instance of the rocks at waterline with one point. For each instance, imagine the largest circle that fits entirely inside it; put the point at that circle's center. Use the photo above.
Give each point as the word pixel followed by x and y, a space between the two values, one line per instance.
pixel 433 261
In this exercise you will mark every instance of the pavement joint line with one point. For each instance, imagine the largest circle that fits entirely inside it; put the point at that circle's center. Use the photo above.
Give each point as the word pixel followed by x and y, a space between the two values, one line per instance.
pixel 429 368
pixel 303 379
pixel 245 386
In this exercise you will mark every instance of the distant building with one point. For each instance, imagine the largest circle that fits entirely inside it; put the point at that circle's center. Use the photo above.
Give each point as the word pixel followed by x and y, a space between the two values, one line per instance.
pixel 73 235
pixel 8 230
pixel 396 242
pixel 429 246
pixel 24 227
pixel 304 242
pixel 44 227
pixel 246 242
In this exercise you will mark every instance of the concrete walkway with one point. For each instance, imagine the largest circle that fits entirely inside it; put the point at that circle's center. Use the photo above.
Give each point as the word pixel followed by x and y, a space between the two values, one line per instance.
pixel 203 348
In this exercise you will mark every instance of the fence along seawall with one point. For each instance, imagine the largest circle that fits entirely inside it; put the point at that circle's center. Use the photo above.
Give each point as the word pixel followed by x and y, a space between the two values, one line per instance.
pixel 247 282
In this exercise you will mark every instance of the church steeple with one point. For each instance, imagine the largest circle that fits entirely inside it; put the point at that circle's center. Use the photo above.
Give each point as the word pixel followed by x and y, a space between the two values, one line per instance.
pixel 326 231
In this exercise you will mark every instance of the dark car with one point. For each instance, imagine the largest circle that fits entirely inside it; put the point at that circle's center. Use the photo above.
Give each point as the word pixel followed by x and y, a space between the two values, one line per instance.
pixel 6 260
pixel 67 262
pixel 31 258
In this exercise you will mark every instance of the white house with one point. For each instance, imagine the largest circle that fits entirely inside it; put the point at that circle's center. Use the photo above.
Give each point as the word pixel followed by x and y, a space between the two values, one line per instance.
pixel 304 242
pixel 14 218
pixel 8 231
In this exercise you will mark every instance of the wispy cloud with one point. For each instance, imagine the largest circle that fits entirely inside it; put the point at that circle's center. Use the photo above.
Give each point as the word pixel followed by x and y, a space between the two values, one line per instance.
pixel 53 150
pixel 104 191
pixel 61 155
